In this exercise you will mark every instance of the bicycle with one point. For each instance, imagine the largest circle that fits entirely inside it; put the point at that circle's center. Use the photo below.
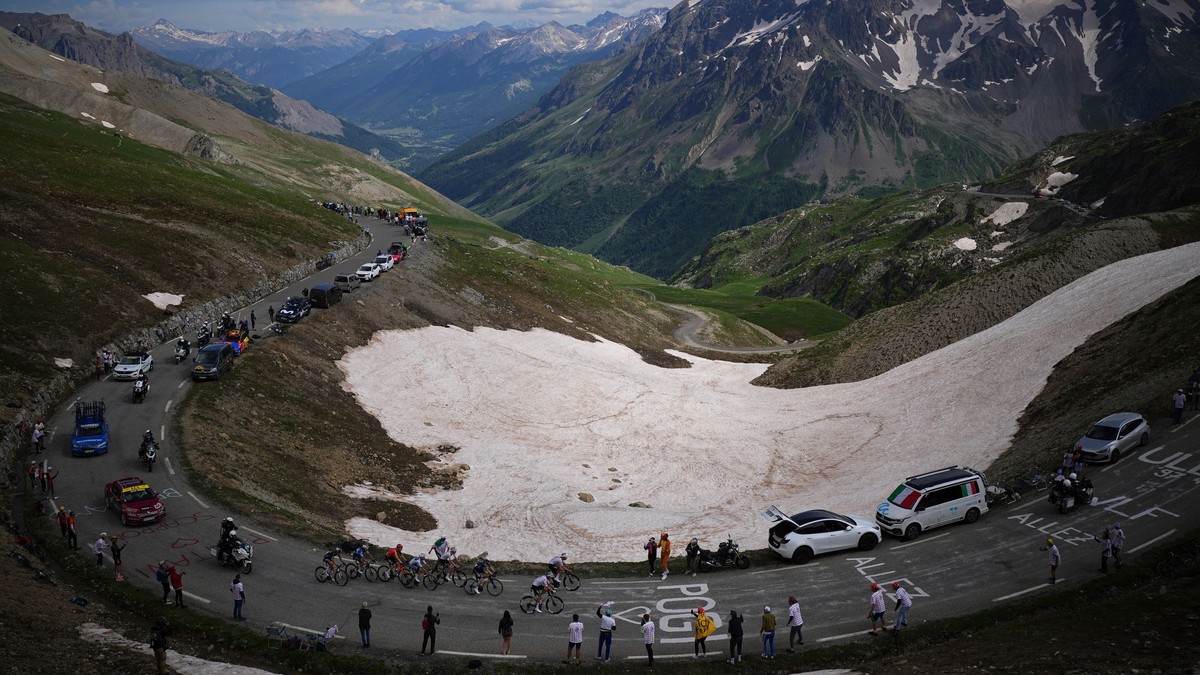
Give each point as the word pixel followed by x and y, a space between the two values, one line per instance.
pixel 489 583
pixel 550 600
pixel 335 570
pixel 377 572
pixel 570 581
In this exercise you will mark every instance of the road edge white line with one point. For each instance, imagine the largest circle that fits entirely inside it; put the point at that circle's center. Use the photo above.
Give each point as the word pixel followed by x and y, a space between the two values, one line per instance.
pixel 484 656
pixel 181 384
pixel 784 569
pixel 1152 541
pixel 193 494
pixel 264 536
pixel 1027 590
pixel 193 596
pixel 843 636
pixel 170 469
pixel 168 406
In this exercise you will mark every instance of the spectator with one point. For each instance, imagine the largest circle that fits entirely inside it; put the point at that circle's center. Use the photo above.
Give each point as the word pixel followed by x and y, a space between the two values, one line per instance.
pixel 648 638
pixel 62 520
pixel 364 625
pixel 735 637
pixel 158 644
pixel 702 627
pixel 1178 401
pixel 575 639
pixel 1118 543
pixel 506 632
pixel 72 533
pixel 177 584
pixel 271 313
pixel 903 604
pixel 664 552
pixel 1193 383
pixel 607 625
pixel 238 591
pixel 651 547
pixel 116 549
pixel 163 576
pixel 1105 541
pixel 693 556
pixel 1055 559
pixel 877 610
pixel 50 475
pixel 429 624
pixel 98 547
pixel 795 624
pixel 767 631
pixel 253 320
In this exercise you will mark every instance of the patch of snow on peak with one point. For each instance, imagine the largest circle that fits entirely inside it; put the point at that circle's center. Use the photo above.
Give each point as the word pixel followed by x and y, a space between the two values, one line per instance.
pixel 1060 159
pixel 87 115
pixel 1055 181
pixel 585 114
pixel 56 57
pixel 1178 11
pixel 761 29
pixel 807 42
pixel 1098 203
pixel 1007 213
pixel 966 244
pixel 63 363
pixel 100 87
pixel 1089 38
pixel 163 300
pixel 1032 11
pixel 1001 246
pixel 808 65
pixel 108 125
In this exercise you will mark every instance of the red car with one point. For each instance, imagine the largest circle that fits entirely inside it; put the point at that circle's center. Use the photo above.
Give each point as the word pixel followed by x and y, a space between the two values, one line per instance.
pixel 134 501
pixel 239 338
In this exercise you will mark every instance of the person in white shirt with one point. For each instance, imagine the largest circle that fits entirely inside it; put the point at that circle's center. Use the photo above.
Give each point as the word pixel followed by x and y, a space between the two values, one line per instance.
pixel 1118 543
pixel 877 610
pixel 574 639
pixel 903 604
pixel 98 547
pixel 795 624
pixel 648 637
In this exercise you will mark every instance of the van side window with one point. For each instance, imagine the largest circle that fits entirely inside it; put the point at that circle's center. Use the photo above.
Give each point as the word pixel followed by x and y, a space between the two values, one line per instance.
pixel 939 497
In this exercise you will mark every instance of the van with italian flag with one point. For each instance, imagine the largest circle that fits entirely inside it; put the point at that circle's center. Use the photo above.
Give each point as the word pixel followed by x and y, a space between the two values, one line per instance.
pixel 933 499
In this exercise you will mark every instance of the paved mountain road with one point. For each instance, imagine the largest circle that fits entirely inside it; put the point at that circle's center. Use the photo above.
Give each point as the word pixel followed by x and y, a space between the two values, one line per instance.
pixel 961 568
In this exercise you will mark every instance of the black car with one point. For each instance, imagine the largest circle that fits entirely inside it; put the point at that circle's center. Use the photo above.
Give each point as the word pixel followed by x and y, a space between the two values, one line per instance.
pixel 293 310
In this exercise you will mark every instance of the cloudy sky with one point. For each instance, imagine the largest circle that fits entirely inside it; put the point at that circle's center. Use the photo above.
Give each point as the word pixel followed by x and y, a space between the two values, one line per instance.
pixel 245 15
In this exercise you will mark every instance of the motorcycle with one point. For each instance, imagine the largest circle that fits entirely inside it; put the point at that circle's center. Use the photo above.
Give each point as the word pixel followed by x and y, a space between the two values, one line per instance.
pixel 181 352
pixel 140 389
pixel 203 336
pixel 240 554
pixel 149 455
pixel 1066 494
pixel 727 555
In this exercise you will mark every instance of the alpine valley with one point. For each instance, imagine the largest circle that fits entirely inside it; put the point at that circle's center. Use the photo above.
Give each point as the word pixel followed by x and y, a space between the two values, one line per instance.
pixel 735 111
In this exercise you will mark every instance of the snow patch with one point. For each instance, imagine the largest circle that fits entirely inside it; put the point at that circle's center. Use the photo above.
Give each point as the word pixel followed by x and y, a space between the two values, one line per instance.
pixel 180 663
pixel 1055 181
pixel 100 87
pixel 1098 203
pixel 808 65
pixel 996 233
pixel 107 124
pixel 966 244
pixel 585 114
pixel 807 42
pixel 87 115
pixel 512 400
pixel 163 300
pixel 1060 159
pixel 1001 246
pixel 56 57
pixel 64 363
pixel 1178 11
pixel 1007 213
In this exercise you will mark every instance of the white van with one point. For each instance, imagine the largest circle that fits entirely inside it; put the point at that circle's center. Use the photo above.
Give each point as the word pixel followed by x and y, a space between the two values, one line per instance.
pixel 347 282
pixel 933 499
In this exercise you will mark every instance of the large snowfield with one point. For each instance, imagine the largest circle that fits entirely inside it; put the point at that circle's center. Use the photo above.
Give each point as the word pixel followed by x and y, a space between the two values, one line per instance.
pixel 541 417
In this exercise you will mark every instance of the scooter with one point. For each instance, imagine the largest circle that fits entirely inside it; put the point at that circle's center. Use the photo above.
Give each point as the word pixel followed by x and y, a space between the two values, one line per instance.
pixel 140 389
pixel 727 555
pixel 240 553
pixel 149 455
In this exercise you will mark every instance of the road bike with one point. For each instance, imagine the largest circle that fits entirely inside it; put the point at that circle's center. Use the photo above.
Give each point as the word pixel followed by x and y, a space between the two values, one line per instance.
pixel 489 583
pixel 550 601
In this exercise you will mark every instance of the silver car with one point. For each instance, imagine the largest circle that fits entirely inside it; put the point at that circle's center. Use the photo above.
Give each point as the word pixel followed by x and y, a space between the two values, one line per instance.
pixel 1110 437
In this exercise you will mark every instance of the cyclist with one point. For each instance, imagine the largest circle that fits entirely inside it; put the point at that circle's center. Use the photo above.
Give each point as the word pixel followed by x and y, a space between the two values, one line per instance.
pixel 541 586
pixel 415 564
pixel 392 556
pixel 361 555
pixel 334 554
pixel 558 566
pixel 441 547
pixel 482 569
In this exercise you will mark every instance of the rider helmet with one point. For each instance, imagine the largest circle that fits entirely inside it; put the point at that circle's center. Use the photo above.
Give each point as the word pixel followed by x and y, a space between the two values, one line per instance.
pixel 399 547
pixel 563 556
pixel 1066 483
pixel 1072 476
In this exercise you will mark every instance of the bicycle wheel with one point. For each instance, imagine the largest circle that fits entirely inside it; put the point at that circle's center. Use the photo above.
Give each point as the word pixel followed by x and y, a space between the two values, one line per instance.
pixel 527 604
pixel 352 571
pixel 407 578
pixel 554 604
pixel 570 581
pixel 385 574
pixel 470 586
pixel 458 578
pixel 431 581
pixel 340 577
pixel 322 574
pixel 371 573
pixel 494 587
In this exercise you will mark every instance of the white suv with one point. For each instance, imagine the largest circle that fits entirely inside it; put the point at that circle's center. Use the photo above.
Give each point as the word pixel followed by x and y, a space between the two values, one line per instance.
pixel 368 271
pixel 384 261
